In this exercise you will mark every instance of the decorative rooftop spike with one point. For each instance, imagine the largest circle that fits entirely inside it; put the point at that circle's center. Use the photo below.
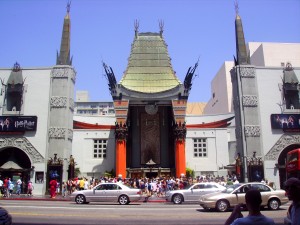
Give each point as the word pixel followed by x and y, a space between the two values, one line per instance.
pixel 161 27
pixel 136 27
pixel 241 50
pixel 63 58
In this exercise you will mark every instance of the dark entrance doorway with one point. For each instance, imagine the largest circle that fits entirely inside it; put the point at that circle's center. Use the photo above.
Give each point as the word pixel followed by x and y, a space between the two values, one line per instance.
pixel 151 174
pixel 15 164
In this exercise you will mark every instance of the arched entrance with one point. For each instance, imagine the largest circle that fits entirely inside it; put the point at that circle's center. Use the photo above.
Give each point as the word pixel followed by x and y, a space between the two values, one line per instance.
pixel 282 163
pixel 15 164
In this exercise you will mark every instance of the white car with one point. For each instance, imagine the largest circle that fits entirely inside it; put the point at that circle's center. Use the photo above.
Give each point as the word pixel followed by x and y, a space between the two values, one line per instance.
pixel 193 193
pixel 108 192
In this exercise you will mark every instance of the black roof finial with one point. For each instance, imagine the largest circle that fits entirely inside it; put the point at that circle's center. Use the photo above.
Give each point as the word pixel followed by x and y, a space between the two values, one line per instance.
pixel 68 6
pixel 161 27
pixel 236 7
pixel 136 27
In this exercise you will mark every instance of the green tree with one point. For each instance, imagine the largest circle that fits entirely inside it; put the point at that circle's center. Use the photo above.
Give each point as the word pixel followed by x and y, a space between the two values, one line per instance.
pixel 190 172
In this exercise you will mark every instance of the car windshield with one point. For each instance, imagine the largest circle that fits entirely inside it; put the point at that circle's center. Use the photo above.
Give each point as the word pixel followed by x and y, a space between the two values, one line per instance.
pixel 230 188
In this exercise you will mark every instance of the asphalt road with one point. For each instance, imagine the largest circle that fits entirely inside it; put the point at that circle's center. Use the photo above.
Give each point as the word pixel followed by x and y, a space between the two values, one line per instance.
pixel 47 212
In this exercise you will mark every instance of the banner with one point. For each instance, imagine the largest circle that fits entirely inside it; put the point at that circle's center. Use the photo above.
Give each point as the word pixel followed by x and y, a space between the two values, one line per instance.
pixel 288 122
pixel 17 123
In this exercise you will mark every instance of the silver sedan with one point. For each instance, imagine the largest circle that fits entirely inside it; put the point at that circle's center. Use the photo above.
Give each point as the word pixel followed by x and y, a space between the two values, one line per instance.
pixel 193 193
pixel 107 192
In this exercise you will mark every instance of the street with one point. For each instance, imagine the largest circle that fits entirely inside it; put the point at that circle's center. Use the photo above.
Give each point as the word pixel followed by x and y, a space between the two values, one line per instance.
pixel 65 212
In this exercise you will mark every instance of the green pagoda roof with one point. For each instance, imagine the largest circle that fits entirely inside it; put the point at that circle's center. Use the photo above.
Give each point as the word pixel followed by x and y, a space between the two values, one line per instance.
pixel 149 67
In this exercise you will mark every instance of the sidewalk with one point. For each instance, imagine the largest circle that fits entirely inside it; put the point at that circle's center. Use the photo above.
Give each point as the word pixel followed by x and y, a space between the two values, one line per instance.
pixel 67 198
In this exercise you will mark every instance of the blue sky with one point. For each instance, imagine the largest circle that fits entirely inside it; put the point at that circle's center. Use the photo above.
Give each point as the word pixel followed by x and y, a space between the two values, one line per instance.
pixel 104 30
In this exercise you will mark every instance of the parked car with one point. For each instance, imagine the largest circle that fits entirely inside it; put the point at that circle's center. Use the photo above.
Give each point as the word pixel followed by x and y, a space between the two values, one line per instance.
pixel 193 193
pixel 107 192
pixel 5 217
pixel 235 194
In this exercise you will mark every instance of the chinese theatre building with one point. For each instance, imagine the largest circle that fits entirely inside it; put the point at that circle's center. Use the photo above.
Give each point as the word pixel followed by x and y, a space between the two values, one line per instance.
pixel 150 107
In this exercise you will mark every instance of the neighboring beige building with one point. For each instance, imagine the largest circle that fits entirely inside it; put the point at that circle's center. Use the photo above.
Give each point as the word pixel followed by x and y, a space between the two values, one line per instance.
pixel 221 91
pixel 261 54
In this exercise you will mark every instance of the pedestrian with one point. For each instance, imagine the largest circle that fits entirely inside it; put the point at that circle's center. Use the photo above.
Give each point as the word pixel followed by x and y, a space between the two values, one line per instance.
pixel 5 187
pixel 1 187
pixel 19 183
pixel 53 185
pixel 29 188
pixel 10 187
pixel 253 202
pixel 57 187
pixel 292 188
pixel 64 189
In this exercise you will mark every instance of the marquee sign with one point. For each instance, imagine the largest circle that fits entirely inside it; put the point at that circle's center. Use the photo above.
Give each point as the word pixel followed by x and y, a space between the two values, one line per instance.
pixel 17 123
pixel 287 122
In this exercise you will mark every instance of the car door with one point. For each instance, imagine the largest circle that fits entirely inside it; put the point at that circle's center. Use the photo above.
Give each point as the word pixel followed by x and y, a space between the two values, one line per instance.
pixel 265 192
pixel 240 195
pixel 99 193
pixel 194 192
pixel 209 188
pixel 112 192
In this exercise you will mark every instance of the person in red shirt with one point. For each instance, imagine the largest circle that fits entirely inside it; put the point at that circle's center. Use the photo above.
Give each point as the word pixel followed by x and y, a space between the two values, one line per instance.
pixel 53 184
pixel 5 187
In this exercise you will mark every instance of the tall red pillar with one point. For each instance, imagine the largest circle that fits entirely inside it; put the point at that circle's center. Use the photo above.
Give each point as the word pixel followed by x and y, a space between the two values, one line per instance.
pixel 121 134
pixel 121 158
pixel 180 163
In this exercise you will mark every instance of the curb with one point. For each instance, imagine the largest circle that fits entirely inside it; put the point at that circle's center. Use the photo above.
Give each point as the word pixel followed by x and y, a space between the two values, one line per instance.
pixel 68 199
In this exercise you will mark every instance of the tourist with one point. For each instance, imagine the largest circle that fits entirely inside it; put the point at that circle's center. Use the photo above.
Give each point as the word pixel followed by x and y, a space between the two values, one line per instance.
pixel 253 201
pixel 292 187
pixel 53 185
pixel 29 188
pixel 19 184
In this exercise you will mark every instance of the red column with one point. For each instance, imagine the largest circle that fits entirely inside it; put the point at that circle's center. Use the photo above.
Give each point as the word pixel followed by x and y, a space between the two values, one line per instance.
pixel 121 158
pixel 180 157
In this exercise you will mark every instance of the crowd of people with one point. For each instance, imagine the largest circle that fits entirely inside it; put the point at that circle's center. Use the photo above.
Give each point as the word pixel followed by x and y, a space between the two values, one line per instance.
pixel 157 186
pixel 9 187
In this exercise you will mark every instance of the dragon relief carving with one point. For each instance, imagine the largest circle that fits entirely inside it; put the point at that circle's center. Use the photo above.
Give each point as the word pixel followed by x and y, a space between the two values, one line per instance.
pixel 23 144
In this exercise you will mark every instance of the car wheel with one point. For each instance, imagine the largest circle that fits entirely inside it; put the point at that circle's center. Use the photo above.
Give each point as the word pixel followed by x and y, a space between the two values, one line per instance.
pixel 273 204
pixel 222 205
pixel 123 200
pixel 177 199
pixel 80 199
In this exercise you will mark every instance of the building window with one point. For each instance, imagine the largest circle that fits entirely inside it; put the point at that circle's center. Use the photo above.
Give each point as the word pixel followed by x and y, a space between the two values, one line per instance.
pixel 100 148
pixel 200 147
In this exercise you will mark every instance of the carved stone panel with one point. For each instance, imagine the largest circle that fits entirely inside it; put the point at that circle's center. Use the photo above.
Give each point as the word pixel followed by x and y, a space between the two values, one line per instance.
pixel 252 131
pixel 283 142
pixel 250 100
pixel 70 134
pixel 57 132
pixel 58 102
pixel 71 104
pixel 248 72
pixel 63 72
pixel 23 144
